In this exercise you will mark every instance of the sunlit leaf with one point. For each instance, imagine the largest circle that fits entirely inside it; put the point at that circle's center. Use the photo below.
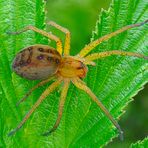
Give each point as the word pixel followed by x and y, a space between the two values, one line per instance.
pixel 141 144
pixel 115 80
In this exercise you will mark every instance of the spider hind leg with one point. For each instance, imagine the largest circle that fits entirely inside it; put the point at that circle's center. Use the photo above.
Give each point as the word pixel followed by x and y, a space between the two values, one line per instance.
pixel 38 102
pixel 67 38
pixel 32 89
pixel 42 32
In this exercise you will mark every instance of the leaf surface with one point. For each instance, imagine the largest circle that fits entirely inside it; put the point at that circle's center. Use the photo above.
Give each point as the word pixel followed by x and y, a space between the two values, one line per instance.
pixel 140 144
pixel 115 80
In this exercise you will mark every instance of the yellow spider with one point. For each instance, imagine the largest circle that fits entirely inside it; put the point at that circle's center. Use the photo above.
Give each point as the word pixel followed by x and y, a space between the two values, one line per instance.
pixel 44 62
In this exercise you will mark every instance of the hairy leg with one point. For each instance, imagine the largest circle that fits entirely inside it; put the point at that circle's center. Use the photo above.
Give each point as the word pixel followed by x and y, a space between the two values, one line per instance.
pixel 44 33
pixel 93 44
pixel 42 97
pixel 32 89
pixel 81 85
pixel 61 106
pixel 95 56
pixel 67 33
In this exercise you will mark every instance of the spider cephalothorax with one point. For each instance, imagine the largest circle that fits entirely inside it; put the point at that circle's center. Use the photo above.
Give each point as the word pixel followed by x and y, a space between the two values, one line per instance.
pixel 71 67
pixel 44 62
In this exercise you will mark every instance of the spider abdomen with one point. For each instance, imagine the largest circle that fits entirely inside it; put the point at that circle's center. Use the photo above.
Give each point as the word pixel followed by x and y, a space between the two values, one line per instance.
pixel 36 62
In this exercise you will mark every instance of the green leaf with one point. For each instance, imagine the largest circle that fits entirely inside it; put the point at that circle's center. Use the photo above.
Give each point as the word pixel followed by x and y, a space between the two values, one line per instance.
pixel 14 16
pixel 115 80
pixel 140 144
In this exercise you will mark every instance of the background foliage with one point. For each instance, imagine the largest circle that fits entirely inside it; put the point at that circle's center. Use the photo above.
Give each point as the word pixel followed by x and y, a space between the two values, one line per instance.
pixel 83 123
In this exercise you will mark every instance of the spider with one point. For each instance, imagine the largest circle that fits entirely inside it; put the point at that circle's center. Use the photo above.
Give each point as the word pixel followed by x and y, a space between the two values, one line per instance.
pixel 46 63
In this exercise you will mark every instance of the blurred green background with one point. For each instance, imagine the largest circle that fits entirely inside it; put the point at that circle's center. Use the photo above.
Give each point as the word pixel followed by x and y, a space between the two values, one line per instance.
pixel 80 17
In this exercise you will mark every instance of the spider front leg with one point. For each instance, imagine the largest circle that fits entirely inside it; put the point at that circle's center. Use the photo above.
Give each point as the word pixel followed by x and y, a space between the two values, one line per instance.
pixel 81 85
pixel 32 89
pixel 67 38
pixel 61 105
pixel 93 44
pixel 95 56
pixel 44 33
pixel 42 97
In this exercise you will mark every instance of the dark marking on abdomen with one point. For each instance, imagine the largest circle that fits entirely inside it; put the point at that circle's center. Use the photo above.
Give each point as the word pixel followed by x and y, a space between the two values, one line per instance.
pixel 30 55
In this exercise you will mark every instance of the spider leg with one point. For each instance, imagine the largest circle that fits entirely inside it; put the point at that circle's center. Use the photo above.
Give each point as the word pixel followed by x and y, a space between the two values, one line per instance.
pixel 93 44
pixel 67 38
pixel 32 89
pixel 81 85
pixel 44 33
pixel 95 56
pixel 42 97
pixel 61 106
